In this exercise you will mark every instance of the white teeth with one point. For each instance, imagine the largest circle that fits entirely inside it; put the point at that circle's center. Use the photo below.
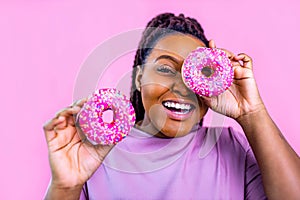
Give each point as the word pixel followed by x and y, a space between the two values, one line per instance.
pixel 177 105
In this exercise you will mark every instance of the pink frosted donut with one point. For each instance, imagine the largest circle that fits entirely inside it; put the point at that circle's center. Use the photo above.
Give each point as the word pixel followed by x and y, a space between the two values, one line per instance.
pixel 90 118
pixel 207 71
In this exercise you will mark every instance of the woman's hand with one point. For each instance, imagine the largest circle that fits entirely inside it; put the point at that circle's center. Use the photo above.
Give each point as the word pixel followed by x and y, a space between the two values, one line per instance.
pixel 72 161
pixel 242 97
pixel 278 162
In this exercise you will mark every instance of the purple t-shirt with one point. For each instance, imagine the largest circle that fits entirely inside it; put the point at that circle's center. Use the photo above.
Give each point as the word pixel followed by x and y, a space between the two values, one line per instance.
pixel 208 163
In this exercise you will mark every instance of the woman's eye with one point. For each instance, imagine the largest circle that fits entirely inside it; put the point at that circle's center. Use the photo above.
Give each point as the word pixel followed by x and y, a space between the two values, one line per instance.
pixel 166 69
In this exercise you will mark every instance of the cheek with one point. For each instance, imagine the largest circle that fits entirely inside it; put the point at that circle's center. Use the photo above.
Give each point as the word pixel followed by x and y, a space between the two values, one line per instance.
pixel 157 117
pixel 151 94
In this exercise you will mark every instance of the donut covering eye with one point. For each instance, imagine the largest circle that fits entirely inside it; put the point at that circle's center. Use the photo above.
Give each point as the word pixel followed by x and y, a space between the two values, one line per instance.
pixel 207 71
pixel 90 118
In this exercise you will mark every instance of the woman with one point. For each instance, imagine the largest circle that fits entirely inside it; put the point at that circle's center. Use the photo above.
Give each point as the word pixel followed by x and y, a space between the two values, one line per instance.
pixel 229 170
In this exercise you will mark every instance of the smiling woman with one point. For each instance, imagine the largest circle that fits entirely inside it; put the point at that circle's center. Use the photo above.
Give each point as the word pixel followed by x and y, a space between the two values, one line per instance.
pixel 160 158
pixel 163 92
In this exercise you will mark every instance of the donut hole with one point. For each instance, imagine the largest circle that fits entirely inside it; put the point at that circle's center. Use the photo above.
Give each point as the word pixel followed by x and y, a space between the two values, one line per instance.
pixel 207 71
pixel 108 116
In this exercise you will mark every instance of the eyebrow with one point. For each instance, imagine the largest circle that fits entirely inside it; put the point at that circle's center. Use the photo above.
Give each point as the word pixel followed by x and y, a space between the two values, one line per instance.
pixel 167 57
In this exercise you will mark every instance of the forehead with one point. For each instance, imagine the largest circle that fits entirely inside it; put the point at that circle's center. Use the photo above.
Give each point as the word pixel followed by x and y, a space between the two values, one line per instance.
pixel 179 45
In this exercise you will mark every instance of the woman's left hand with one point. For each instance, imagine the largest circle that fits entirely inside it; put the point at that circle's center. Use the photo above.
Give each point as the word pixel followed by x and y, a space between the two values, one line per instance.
pixel 242 97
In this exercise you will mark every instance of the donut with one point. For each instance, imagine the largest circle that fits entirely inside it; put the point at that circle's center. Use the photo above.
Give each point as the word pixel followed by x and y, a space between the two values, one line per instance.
pixel 95 128
pixel 207 71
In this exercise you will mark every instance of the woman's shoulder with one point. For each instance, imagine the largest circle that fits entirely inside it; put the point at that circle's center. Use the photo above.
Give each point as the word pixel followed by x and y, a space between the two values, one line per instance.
pixel 225 139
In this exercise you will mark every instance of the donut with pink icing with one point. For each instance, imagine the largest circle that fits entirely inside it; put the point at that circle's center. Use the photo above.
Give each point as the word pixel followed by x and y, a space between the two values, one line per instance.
pixel 95 128
pixel 207 71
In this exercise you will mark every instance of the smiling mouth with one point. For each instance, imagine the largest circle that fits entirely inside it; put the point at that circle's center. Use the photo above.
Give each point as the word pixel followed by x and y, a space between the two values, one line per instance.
pixel 178 108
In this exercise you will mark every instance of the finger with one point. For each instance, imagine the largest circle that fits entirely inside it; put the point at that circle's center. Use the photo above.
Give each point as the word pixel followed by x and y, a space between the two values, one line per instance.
pixel 207 100
pixel 72 120
pixel 212 44
pixel 102 151
pixel 229 54
pixel 241 74
pixel 62 139
pixel 247 60
pixel 69 111
pixel 82 136
pixel 61 125
pixel 70 115
pixel 49 126
pixel 236 64
pixel 80 102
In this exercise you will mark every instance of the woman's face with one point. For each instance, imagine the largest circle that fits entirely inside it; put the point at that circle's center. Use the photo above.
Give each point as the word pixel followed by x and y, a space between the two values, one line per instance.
pixel 171 109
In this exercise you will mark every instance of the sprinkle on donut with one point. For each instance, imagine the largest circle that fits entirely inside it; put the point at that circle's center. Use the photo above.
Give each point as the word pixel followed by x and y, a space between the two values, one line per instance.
pixel 207 71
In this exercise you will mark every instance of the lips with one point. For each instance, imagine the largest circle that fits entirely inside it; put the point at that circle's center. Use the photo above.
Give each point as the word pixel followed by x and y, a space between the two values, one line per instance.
pixel 177 110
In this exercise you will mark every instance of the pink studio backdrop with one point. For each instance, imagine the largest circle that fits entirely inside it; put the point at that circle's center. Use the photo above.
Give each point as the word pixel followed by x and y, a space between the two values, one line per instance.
pixel 43 45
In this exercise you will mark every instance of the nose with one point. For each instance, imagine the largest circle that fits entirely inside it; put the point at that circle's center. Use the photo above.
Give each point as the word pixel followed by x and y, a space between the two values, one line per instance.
pixel 179 87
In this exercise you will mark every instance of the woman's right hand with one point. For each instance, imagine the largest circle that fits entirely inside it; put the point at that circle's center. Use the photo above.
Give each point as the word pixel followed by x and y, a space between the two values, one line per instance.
pixel 72 160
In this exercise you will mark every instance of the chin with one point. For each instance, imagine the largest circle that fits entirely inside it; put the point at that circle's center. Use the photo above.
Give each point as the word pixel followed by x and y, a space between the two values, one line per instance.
pixel 176 130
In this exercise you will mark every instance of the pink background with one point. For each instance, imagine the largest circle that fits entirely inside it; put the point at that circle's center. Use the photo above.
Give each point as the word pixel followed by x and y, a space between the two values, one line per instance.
pixel 44 43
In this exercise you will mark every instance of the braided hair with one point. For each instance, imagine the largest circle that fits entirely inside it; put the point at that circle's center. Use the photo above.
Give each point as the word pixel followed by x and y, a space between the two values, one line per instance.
pixel 160 26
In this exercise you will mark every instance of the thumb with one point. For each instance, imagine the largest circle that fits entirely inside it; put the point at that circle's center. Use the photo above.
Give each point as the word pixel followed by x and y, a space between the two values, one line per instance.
pixel 207 100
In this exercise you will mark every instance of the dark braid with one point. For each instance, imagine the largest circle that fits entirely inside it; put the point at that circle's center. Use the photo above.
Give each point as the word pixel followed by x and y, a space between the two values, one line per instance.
pixel 158 27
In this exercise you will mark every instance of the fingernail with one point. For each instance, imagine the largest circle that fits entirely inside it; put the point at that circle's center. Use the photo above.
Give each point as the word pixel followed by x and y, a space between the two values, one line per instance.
pixel 60 118
pixel 76 108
